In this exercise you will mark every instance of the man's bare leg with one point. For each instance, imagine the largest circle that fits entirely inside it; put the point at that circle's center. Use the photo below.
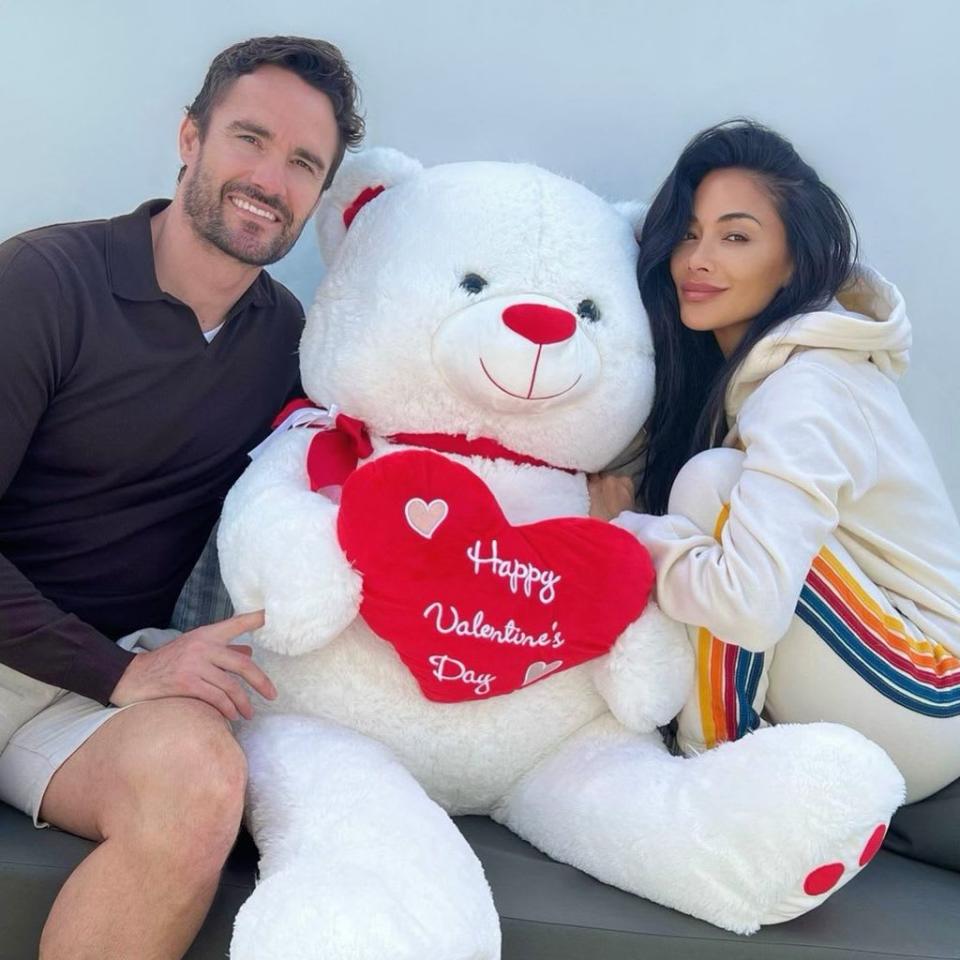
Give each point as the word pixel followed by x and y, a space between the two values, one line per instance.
pixel 161 785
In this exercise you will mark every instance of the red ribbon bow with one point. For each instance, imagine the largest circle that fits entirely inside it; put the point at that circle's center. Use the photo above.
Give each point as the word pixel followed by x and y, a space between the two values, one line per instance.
pixel 334 454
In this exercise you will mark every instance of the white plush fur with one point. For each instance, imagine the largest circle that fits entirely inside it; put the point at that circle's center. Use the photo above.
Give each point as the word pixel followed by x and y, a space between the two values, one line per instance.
pixel 353 772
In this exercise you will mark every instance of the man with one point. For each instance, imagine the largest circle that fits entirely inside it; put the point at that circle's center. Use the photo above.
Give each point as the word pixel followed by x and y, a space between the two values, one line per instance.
pixel 140 358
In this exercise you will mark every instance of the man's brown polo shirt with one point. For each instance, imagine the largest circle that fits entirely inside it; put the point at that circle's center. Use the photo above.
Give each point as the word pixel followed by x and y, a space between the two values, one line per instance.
pixel 121 430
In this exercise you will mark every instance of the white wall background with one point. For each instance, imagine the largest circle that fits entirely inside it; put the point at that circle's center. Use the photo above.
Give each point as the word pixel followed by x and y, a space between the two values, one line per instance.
pixel 607 92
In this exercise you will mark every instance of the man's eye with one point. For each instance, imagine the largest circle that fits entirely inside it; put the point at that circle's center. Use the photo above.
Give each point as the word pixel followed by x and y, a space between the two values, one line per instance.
pixel 305 166
pixel 248 138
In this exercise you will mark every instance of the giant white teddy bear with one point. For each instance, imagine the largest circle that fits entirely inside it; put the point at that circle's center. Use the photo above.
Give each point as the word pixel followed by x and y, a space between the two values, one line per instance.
pixel 442 643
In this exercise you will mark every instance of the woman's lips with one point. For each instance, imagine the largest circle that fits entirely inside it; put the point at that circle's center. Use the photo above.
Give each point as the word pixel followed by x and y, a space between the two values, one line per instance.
pixel 697 292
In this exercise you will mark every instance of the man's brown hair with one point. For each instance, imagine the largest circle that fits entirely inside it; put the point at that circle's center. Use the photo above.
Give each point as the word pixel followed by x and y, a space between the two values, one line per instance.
pixel 316 62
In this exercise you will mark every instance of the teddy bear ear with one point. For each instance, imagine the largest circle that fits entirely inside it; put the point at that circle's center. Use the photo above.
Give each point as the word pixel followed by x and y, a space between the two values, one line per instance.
pixel 362 177
pixel 634 211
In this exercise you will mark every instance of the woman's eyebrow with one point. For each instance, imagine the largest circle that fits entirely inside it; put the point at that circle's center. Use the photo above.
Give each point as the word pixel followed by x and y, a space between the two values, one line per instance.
pixel 739 215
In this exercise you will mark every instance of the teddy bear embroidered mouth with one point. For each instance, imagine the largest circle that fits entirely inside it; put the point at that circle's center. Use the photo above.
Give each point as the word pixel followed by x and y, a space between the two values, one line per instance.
pixel 529 395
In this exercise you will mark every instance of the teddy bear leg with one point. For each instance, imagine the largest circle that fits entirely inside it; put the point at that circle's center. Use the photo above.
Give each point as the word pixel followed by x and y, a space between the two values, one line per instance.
pixel 357 861
pixel 756 831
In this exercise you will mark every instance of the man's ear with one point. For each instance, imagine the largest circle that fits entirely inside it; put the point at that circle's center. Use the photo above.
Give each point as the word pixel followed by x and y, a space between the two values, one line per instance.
pixel 360 180
pixel 188 140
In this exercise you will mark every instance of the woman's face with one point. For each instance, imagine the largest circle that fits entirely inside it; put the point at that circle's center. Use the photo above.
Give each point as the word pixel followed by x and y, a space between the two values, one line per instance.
pixel 734 257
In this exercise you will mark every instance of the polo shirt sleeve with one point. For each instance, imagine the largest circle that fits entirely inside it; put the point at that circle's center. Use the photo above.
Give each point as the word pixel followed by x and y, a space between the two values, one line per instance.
pixel 36 637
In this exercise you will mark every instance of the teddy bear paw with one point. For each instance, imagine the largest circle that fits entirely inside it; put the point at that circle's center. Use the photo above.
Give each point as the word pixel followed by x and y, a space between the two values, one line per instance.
pixel 304 612
pixel 828 877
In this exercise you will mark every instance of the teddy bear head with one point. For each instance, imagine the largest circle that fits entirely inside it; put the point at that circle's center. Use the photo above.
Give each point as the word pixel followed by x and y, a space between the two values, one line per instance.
pixel 491 300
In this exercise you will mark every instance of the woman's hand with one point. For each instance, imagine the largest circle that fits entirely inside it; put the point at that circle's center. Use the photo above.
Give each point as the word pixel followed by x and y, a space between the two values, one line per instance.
pixel 610 495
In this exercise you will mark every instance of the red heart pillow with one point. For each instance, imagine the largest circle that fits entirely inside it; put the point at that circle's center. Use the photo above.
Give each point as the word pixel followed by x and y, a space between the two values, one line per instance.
pixel 474 606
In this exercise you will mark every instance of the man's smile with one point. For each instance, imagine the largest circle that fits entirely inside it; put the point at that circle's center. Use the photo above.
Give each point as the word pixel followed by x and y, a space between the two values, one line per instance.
pixel 245 204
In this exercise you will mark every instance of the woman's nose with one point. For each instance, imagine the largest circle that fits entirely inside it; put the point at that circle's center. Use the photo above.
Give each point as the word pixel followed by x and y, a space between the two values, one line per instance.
pixel 700 258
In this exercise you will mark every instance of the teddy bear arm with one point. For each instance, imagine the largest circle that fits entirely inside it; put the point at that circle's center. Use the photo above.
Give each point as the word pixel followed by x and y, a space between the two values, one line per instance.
pixel 279 552
pixel 647 676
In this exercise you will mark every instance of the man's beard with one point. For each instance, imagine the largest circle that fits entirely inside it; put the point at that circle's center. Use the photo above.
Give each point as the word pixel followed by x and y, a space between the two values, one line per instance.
pixel 203 204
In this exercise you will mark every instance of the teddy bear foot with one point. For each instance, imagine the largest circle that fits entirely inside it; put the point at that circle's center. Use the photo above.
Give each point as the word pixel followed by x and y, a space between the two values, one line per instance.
pixel 308 913
pixel 827 878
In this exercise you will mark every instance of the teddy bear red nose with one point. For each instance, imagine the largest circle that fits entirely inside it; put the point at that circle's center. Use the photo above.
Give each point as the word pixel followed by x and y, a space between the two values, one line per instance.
pixel 539 323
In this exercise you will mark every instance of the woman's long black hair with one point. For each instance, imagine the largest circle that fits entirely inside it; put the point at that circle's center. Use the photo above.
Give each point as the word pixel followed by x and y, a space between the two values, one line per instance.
pixel 692 375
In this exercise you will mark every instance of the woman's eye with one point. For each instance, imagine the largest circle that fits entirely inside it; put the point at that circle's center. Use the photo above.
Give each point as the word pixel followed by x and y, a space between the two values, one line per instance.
pixel 738 237
pixel 473 283
pixel 588 310
pixel 689 235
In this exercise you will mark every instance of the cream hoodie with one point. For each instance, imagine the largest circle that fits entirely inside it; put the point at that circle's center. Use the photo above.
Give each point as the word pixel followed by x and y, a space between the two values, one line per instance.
pixel 830 449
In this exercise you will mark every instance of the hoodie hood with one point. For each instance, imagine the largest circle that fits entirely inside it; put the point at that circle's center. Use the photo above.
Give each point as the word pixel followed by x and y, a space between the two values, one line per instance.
pixel 867 317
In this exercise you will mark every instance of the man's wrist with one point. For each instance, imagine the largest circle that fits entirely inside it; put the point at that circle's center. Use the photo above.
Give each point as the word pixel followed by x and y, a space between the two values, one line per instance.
pixel 95 673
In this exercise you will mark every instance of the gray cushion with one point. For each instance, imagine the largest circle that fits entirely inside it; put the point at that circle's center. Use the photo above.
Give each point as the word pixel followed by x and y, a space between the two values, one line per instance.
pixel 895 908
pixel 929 830
pixel 204 598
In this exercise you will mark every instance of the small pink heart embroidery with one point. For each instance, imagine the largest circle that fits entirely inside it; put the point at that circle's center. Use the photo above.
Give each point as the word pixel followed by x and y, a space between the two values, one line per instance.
pixel 425 517
pixel 540 669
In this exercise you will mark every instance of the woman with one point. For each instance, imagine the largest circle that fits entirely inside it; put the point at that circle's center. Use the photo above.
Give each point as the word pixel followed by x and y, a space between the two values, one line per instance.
pixel 809 541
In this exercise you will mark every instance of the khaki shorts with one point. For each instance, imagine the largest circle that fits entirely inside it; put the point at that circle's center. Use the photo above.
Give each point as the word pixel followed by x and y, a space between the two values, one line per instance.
pixel 42 726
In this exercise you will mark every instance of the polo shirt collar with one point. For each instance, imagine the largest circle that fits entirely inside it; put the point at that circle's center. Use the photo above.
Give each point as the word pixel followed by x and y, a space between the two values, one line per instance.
pixel 131 269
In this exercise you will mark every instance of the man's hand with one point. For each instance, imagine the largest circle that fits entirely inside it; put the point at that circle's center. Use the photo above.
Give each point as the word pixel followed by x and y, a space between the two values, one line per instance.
pixel 203 664
pixel 610 495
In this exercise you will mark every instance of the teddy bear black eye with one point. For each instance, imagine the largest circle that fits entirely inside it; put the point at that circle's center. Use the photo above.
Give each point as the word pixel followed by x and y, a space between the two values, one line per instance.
pixel 588 310
pixel 473 283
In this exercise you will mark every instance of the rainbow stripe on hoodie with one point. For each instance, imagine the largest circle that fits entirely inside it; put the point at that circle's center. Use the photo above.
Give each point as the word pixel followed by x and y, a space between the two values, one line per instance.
pixel 882 649
pixel 909 669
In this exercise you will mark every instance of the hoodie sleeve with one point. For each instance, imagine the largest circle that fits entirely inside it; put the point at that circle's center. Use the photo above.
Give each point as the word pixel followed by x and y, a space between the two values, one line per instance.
pixel 808 449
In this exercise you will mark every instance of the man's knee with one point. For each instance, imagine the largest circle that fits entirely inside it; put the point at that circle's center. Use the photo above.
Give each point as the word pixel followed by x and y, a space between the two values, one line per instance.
pixel 704 484
pixel 186 783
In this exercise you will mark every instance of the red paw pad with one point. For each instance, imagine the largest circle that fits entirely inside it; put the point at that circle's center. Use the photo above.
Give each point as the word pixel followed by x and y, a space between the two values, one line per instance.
pixel 873 844
pixel 822 879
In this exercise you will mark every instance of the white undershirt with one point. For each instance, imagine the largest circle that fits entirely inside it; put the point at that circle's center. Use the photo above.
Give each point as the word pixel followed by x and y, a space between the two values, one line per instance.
pixel 210 334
